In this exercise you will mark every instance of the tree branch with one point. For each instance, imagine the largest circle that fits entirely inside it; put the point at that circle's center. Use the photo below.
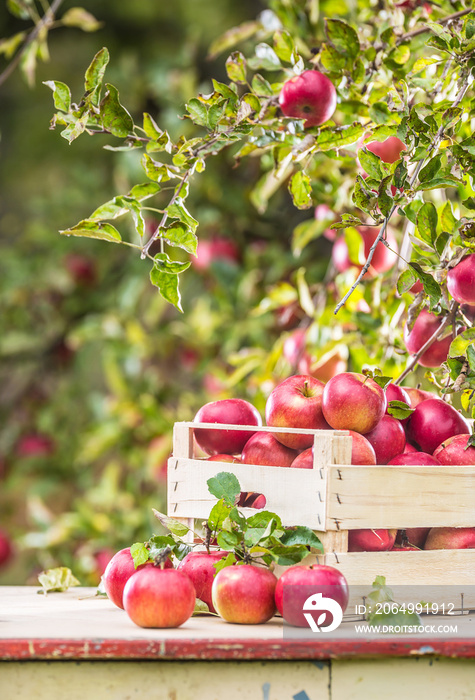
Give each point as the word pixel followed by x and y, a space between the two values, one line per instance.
pixel 423 30
pixel 47 19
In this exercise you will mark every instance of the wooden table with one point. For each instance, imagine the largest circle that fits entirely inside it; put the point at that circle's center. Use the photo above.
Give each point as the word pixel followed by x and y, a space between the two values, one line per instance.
pixel 75 646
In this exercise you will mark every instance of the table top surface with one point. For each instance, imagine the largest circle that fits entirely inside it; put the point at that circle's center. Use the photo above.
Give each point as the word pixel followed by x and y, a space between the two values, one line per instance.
pixel 78 624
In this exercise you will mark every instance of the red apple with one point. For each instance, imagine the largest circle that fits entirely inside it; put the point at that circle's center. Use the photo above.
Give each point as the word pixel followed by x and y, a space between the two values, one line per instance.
pixel 102 558
pixel 155 597
pixel 434 421
pixel 35 445
pixel 461 280
pixel 387 438
pixel 224 458
pixel 299 582
pixel 310 96
pixel 254 500
pixel 328 365
pixel 304 460
pixel 244 594
pixel 394 392
pixel 199 567
pixel 414 537
pixel 451 538
pixel 362 451
pixel 324 213
pixel 213 250
pixel 6 548
pixel 416 396
pixel 424 327
pixel 413 459
pixel 389 150
pixel 371 540
pixel 454 450
pixel 296 403
pixel 233 411
pixel 352 401
pixel 82 269
pixel 118 571
pixel 408 449
pixel 383 258
pixel 262 448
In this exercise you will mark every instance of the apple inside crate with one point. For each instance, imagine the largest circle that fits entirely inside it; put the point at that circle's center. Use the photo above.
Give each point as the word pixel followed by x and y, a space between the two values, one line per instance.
pixel 335 497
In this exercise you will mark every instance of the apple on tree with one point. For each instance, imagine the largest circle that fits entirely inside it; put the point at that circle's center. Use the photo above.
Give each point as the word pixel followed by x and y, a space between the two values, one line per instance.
pixel 461 280
pixel 310 96
pixel 233 411
pixel 244 594
pixel 388 150
pixel 383 258
pixel 425 326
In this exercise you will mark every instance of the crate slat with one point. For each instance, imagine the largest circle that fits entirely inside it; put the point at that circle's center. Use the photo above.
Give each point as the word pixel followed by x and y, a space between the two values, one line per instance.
pixel 400 496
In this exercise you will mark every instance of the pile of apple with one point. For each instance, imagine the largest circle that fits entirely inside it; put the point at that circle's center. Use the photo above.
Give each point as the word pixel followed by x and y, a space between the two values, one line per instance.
pixel 158 595
pixel 434 433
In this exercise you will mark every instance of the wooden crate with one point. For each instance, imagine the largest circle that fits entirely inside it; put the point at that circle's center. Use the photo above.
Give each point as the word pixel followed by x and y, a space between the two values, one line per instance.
pixel 335 497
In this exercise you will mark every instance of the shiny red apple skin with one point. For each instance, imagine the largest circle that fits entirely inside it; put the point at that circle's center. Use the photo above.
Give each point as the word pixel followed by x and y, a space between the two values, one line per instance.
pixel 413 459
pixel 454 450
pixel 296 403
pixel 199 567
pixel 394 392
pixel 304 460
pixel 371 540
pixel 461 280
pixel 424 327
pixel 389 150
pixel 352 401
pixel 451 538
pixel 362 451
pixel 298 582
pixel 434 421
pixel 118 571
pixel 244 594
pixel 383 258
pixel 310 96
pixel 387 438
pixel 233 411
pixel 6 548
pixel 415 536
pixel 159 598
pixel 263 449
pixel 231 459
pixel 408 448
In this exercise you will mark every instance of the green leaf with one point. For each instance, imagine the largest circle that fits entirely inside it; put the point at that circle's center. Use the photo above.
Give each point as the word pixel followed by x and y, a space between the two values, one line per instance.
pixel 337 137
pixel 447 218
pixel 18 9
pixel 157 543
pixel 431 286
pixel 159 172
pixel 284 45
pixel 461 343
pixel 301 190
pixel 95 73
pixel 177 210
pixel 400 174
pixel 201 608
pixel 175 526
pixel 229 540
pixel 179 235
pixel 265 58
pixel 401 54
pixel 94 229
pixel 355 245
pixel 229 560
pixel 167 286
pixel 427 222
pixel 430 170
pixel 263 518
pixel 362 197
pixel 343 37
pixel 379 112
pixel 301 535
pixel 226 486
pixel 61 94
pixel 438 183
pixel 236 68
pixel 219 513
pixel 399 410
pixel 140 553
pixel 261 86
pixel 198 111
pixel 331 59
pixel 57 580
pixel 371 163
pixel 79 17
pixel 115 117
pixel 233 36
pixel 398 618
pixel 171 267
pixel 406 280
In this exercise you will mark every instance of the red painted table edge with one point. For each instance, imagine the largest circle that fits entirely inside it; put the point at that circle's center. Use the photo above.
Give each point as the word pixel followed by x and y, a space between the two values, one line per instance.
pixel 229 650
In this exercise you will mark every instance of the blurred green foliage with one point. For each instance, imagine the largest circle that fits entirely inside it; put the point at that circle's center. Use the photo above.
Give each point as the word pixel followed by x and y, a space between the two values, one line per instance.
pixel 95 366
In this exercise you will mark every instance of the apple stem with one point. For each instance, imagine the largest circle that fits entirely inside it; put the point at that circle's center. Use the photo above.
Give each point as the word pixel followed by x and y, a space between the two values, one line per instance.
pixel 162 557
